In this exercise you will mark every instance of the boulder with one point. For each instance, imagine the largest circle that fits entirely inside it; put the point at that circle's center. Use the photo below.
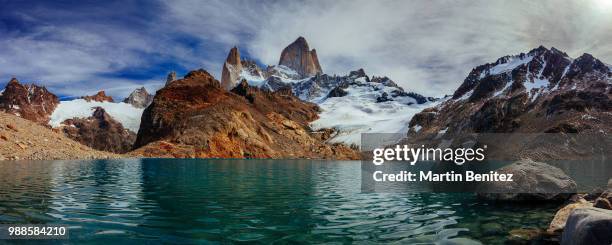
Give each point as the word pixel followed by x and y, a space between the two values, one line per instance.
pixel 602 203
pixel 532 181
pixel 588 226
pixel 558 222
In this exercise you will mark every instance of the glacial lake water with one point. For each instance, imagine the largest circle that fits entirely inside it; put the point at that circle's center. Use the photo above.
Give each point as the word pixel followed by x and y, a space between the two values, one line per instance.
pixel 243 201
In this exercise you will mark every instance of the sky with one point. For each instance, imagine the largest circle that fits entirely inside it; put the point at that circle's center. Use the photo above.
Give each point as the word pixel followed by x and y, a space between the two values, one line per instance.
pixel 76 48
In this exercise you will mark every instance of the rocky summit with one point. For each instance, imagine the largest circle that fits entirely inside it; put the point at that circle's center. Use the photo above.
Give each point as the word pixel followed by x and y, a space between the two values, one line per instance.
pixel 99 131
pixel 352 104
pixel 171 77
pixel 139 98
pixel 542 91
pixel 196 117
pixel 231 69
pixel 300 58
pixel 28 101
pixel 100 96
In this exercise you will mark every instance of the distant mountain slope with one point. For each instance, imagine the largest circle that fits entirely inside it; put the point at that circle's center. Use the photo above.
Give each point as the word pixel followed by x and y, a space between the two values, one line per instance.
pixel 29 101
pixel 352 104
pixel 542 91
pixel 99 131
pixel 126 114
pixel 22 139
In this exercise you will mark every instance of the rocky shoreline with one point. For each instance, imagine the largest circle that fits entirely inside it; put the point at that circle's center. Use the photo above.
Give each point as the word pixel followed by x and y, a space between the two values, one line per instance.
pixel 582 218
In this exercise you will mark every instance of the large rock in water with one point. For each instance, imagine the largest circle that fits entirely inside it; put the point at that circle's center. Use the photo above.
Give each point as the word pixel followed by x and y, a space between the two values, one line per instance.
pixel 196 117
pixel 300 58
pixel 532 181
pixel 591 226
pixel 28 101
pixel 139 98
pixel 231 69
pixel 100 132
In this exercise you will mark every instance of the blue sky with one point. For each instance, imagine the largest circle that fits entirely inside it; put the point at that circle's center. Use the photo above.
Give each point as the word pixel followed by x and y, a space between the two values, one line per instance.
pixel 78 47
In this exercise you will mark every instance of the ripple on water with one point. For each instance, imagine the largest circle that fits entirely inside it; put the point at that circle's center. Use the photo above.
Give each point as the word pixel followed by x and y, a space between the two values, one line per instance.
pixel 249 201
pixel 246 237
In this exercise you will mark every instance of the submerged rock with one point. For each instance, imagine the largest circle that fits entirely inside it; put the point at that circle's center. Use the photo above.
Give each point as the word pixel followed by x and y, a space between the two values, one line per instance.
pixel 533 181
pixel 588 226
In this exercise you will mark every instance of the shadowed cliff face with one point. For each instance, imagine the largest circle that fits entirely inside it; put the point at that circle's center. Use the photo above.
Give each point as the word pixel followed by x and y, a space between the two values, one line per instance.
pixel 28 101
pixel 100 132
pixel 300 58
pixel 196 117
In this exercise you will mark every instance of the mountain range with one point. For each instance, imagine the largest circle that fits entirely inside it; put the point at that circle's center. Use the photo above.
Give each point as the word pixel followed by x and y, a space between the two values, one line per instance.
pixel 294 110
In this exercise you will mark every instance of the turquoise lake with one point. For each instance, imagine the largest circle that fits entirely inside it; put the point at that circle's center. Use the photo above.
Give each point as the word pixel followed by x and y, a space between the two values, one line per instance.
pixel 243 201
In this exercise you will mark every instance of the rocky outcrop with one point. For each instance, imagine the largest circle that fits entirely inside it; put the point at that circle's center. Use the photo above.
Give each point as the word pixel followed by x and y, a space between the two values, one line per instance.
pixel 99 97
pixel 251 68
pixel 300 58
pixel 100 132
pixel 232 67
pixel 171 77
pixel 28 101
pixel 588 226
pixel 532 181
pixel 139 98
pixel 337 92
pixel 196 117
pixel 22 139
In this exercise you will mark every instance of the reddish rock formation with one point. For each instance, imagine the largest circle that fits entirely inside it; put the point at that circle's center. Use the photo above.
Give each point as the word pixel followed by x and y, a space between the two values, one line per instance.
pixel 231 69
pixel 99 97
pixel 28 101
pixel 196 117
pixel 140 98
pixel 300 58
pixel 100 132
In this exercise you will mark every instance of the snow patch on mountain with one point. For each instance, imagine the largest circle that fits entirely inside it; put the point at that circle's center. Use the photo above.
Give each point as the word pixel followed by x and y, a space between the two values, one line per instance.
pixel 509 64
pixel 358 113
pixel 126 114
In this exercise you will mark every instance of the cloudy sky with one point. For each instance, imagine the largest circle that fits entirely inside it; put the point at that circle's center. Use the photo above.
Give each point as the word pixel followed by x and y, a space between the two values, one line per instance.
pixel 79 47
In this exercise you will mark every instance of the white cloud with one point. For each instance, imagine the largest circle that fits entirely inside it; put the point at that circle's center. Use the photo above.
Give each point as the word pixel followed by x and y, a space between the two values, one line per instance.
pixel 426 46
